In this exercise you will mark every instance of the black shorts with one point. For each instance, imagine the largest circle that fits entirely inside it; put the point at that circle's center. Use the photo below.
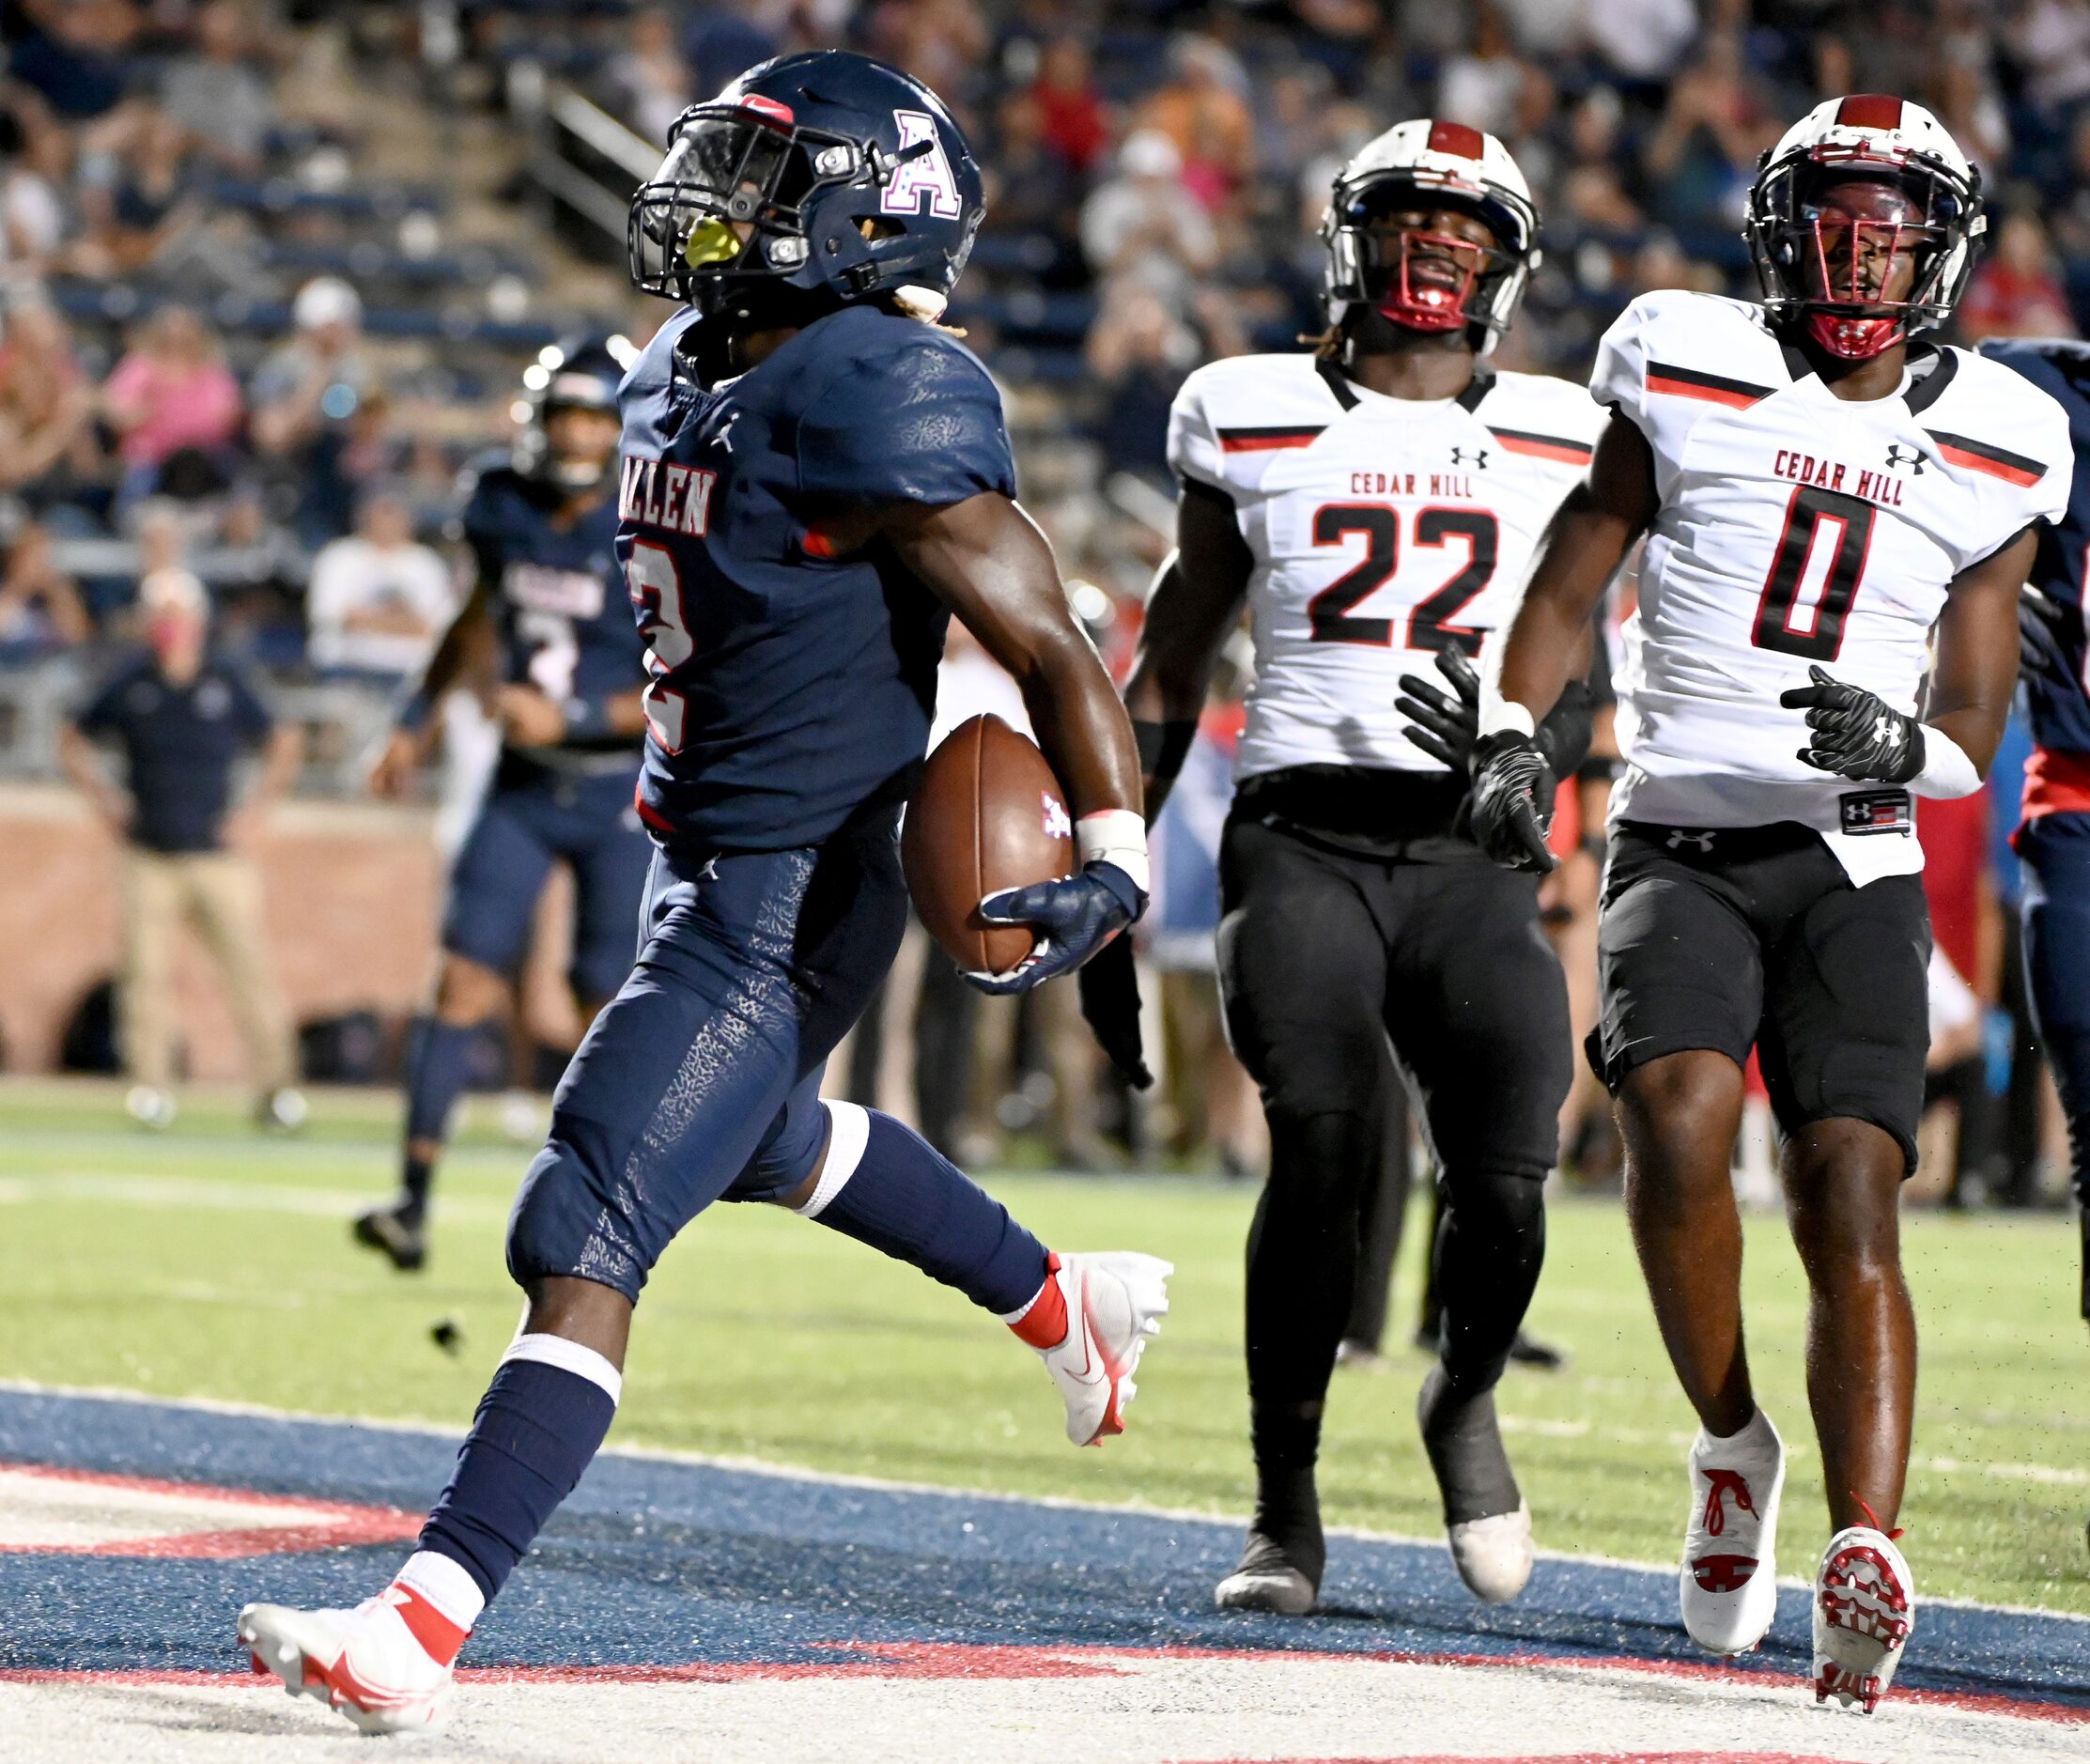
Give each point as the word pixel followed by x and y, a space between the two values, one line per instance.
pixel 1756 937
pixel 1326 955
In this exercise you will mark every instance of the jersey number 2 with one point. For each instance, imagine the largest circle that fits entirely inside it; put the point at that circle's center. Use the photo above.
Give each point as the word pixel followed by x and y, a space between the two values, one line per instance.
pixel 1331 611
pixel 1814 574
pixel 656 588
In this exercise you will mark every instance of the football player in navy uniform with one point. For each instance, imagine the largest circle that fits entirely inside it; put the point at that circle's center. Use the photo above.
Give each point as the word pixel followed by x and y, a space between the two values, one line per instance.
pixel 815 477
pixel 2054 838
pixel 546 617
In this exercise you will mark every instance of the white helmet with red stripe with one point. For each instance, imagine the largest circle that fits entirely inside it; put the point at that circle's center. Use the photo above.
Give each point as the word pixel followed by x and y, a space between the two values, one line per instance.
pixel 1419 166
pixel 1856 183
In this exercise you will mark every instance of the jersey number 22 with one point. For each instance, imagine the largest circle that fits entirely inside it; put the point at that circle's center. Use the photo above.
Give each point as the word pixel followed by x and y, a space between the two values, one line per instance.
pixel 1332 613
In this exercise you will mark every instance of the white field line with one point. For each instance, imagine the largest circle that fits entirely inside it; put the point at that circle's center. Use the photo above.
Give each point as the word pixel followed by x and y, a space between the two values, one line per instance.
pixel 841 1478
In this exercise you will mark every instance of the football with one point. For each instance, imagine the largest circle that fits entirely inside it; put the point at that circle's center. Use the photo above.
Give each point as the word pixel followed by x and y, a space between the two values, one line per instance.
pixel 988 815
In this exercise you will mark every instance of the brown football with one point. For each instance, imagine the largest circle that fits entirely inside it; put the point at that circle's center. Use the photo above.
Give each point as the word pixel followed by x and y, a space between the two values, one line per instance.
pixel 988 815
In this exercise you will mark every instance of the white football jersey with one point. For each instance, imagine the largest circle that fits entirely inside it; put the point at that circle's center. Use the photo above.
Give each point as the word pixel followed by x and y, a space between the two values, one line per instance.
pixel 1383 530
pixel 1797 528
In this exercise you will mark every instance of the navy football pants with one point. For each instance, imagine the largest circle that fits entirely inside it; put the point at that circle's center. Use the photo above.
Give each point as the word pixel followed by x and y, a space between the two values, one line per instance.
pixel 524 827
pixel 701 1079
pixel 2056 853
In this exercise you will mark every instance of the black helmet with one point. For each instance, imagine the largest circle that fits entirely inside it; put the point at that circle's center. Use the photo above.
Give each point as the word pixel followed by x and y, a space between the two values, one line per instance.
pixel 577 374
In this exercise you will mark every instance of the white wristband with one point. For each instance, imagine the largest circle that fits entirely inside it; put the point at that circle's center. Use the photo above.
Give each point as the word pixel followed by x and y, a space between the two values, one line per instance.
pixel 1946 769
pixel 1504 716
pixel 1117 836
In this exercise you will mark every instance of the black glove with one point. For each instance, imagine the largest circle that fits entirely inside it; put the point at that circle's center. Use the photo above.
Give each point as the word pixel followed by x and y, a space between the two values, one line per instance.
pixel 1512 803
pixel 1854 733
pixel 1444 723
pixel 1074 917
pixel 2045 627
pixel 1109 987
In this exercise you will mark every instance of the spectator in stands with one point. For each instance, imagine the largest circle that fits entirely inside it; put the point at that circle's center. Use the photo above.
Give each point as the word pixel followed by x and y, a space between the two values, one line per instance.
pixel 171 393
pixel 1138 352
pixel 40 612
pixel 304 396
pixel 32 211
pixel 1480 86
pixel 1144 225
pixel 2051 40
pixel 136 194
pixel 1203 110
pixel 1641 40
pixel 47 444
pixel 2015 291
pixel 76 54
pixel 650 85
pixel 1702 155
pixel 183 719
pixel 379 599
pixel 217 94
pixel 1070 109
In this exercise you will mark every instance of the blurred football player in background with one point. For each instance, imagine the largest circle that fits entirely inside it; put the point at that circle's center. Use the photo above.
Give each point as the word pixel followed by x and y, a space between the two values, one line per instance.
pixel 1375 503
pixel 547 622
pixel 1821 488
pixel 814 476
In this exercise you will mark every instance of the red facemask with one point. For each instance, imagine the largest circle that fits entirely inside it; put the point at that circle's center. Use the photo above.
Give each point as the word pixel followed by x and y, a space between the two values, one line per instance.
pixel 1884 217
pixel 1437 297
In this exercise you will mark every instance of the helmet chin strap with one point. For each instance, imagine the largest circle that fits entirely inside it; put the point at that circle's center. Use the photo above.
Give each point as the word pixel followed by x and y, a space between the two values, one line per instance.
pixel 1855 339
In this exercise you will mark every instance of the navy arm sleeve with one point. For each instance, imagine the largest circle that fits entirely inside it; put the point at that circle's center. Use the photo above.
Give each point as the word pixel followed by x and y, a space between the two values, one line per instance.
pixel 918 423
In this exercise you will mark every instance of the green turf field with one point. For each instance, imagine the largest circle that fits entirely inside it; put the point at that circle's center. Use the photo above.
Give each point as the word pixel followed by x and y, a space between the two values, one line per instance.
pixel 211 1261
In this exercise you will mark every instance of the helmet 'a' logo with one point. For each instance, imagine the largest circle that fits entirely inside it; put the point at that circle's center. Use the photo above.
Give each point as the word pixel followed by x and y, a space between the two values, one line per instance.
pixel 922 184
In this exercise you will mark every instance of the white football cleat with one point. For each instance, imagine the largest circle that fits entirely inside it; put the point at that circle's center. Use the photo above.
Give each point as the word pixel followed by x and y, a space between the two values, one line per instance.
pixel 365 1662
pixel 1729 1587
pixel 1494 1555
pixel 1268 1579
pixel 1115 1302
pixel 1865 1606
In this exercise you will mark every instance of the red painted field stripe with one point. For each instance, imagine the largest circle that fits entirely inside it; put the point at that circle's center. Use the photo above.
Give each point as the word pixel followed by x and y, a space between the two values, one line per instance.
pixel 956 1659
pixel 333 1523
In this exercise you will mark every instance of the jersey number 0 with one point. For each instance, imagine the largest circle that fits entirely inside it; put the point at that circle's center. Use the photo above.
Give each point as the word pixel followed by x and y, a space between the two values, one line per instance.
pixel 1332 611
pixel 1814 574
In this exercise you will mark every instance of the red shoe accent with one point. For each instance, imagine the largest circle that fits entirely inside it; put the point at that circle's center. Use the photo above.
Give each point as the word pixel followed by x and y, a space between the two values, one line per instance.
pixel 1722 1573
pixel 1044 1324
pixel 1872 1518
pixel 1721 1483
pixel 438 1637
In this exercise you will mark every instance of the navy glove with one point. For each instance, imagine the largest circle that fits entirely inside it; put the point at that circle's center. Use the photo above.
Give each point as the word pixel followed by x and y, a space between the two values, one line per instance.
pixel 1446 724
pixel 1854 733
pixel 2045 627
pixel 1510 808
pixel 1074 917
pixel 1109 987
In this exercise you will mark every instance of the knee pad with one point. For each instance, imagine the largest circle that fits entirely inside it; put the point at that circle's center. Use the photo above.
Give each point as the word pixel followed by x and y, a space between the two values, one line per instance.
pixel 566 1224
pixel 1495 1207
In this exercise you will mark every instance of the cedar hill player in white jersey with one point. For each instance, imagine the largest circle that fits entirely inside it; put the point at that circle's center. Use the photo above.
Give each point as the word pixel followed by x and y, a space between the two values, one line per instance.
pixel 1839 517
pixel 1375 504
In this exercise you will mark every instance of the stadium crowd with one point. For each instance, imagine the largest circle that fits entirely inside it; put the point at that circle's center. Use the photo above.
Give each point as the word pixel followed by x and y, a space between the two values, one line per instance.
pixel 230 345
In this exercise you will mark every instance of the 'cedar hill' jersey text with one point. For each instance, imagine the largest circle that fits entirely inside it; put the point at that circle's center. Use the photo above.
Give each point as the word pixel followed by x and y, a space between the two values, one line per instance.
pixel 1797 528
pixel 1381 529
pixel 792 687
pixel 558 599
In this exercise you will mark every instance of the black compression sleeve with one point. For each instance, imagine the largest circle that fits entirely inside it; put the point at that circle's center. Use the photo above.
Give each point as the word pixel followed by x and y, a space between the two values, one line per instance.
pixel 1564 736
pixel 1162 747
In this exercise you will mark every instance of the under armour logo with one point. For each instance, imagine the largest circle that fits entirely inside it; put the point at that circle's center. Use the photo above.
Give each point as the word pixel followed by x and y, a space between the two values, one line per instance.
pixel 1680 837
pixel 1480 457
pixel 1886 730
pixel 1898 456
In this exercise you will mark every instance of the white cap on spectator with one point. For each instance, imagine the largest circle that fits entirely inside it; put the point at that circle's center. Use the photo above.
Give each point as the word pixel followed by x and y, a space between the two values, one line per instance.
pixel 173 590
pixel 1150 153
pixel 326 299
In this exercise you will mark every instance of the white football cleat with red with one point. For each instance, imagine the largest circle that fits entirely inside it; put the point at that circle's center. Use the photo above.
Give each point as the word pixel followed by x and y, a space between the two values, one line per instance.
pixel 367 1662
pixel 1865 1606
pixel 1115 1302
pixel 1729 1587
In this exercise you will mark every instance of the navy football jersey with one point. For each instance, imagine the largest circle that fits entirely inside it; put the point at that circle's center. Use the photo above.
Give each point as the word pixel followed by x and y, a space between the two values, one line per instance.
pixel 792 687
pixel 2060 710
pixel 558 596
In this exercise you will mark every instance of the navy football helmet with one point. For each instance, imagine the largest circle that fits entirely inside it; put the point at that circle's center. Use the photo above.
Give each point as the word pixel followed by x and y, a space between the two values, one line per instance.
pixel 823 177
pixel 576 374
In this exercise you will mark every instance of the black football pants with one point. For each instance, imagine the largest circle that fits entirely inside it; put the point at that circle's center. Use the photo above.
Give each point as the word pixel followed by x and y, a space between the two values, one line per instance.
pixel 1326 957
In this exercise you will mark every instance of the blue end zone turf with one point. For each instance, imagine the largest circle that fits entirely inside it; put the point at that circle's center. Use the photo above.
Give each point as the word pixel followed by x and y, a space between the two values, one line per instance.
pixel 659 1563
